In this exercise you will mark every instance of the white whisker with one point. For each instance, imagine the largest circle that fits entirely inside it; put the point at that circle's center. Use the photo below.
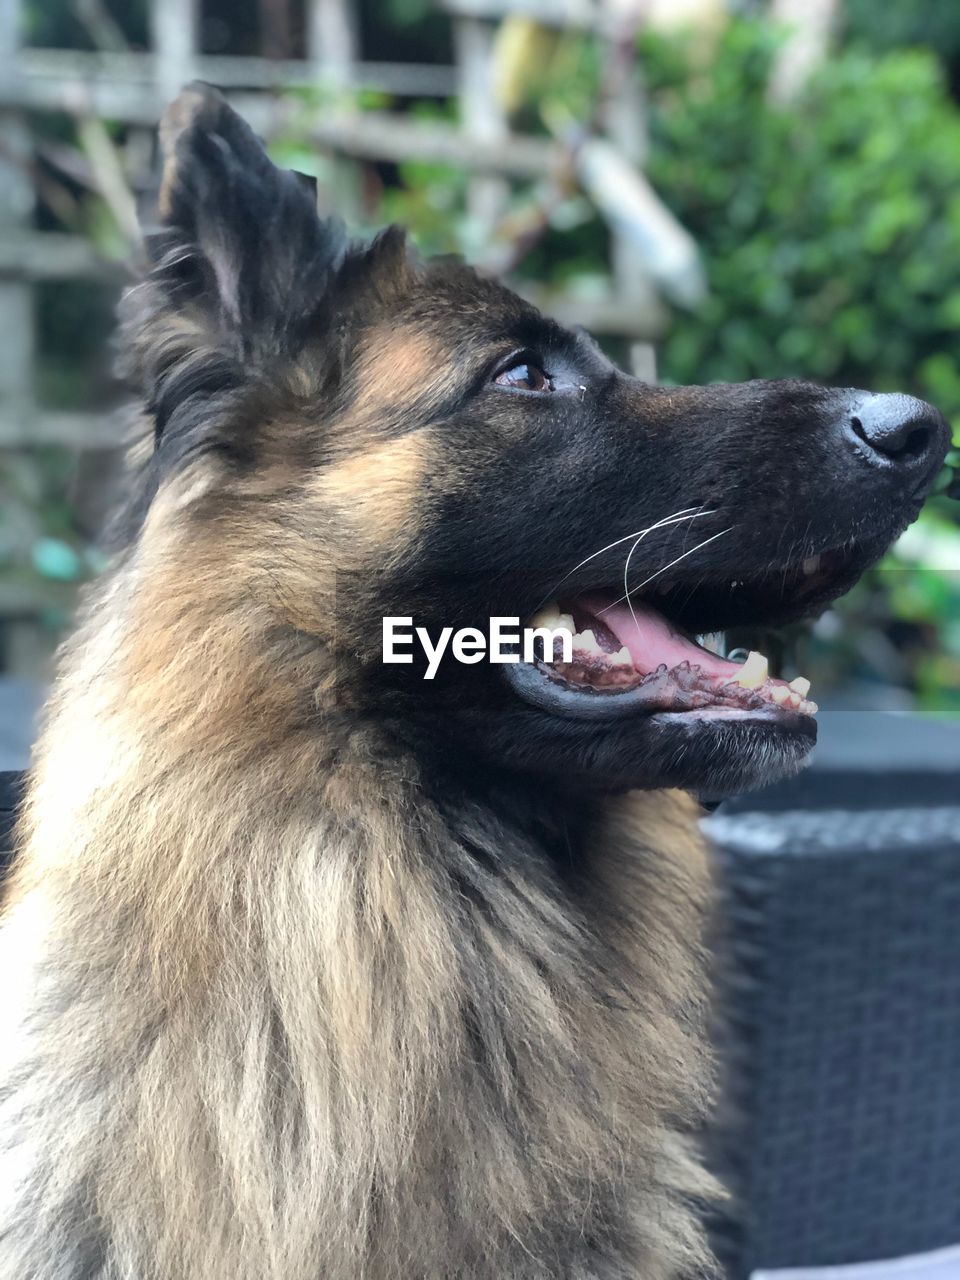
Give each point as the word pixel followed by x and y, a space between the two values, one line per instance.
pixel 686 513
pixel 641 585
pixel 626 566
pixel 626 573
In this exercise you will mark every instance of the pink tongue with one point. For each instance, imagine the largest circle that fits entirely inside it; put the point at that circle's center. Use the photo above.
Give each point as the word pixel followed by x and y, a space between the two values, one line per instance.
pixel 651 640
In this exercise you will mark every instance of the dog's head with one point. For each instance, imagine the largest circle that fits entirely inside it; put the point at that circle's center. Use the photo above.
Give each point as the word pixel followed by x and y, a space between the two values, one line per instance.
pixel 370 436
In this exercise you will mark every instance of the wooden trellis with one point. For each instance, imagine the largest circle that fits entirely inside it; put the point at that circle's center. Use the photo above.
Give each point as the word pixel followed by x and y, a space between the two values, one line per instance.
pixel 132 88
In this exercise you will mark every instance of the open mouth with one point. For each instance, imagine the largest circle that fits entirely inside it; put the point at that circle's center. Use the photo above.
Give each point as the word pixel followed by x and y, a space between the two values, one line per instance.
pixel 640 655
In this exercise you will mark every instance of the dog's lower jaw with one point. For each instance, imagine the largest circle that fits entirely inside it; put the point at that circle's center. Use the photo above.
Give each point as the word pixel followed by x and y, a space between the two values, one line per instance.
pixel 292 1018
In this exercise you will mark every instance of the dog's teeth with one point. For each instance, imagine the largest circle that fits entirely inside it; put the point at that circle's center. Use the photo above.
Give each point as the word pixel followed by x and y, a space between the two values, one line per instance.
pixel 779 694
pixel 586 642
pixel 810 707
pixel 754 671
pixel 811 564
pixel 621 658
pixel 551 617
pixel 801 685
pixel 545 617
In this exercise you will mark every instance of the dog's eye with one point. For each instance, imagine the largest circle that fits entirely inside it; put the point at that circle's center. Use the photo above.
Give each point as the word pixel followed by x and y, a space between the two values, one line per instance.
pixel 524 376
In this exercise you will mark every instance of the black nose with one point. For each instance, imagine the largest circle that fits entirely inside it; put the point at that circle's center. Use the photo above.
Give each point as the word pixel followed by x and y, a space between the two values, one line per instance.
pixel 899 431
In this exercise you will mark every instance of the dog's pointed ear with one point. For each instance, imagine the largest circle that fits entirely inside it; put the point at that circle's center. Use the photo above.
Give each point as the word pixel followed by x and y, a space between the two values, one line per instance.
pixel 238 238
pixel 376 276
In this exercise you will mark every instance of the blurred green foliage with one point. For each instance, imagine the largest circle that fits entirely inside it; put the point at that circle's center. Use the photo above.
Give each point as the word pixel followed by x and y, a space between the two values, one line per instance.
pixel 61 24
pixel 829 228
pixel 896 23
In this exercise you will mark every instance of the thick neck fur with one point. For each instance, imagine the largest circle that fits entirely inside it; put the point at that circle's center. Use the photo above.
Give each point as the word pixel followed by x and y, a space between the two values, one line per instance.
pixel 286 1009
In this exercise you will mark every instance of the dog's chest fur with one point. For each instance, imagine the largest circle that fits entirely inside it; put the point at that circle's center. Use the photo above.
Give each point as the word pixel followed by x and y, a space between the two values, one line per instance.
pixel 295 1014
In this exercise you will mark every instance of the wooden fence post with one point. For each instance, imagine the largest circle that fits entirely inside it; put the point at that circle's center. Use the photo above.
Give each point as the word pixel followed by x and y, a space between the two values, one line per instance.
pixel 332 51
pixel 331 43
pixel 627 127
pixel 481 117
pixel 21 650
pixel 16 216
pixel 174 33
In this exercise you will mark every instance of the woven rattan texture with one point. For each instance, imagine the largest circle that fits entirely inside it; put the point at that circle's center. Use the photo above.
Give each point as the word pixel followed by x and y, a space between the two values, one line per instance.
pixel 11 791
pixel 843 1034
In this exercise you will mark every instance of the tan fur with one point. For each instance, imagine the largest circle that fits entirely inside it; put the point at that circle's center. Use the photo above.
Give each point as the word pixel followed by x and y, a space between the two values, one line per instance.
pixel 276 1082
pixel 378 491
pixel 394 367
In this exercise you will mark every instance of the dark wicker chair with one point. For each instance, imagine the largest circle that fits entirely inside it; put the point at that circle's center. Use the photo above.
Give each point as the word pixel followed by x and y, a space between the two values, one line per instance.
pixel 11 789
pixel 842 999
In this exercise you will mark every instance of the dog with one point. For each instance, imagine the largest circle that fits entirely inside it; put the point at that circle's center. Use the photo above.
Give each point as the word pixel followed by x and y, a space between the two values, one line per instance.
pixel 315 969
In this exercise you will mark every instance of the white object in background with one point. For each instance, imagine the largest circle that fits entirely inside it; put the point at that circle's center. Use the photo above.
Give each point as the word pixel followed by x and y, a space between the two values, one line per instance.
pixel 691 15
pixel 626 199
pixel 942 1264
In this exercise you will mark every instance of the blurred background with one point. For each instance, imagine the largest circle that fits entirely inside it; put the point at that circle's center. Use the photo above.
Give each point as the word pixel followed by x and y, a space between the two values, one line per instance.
pixel 718 189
